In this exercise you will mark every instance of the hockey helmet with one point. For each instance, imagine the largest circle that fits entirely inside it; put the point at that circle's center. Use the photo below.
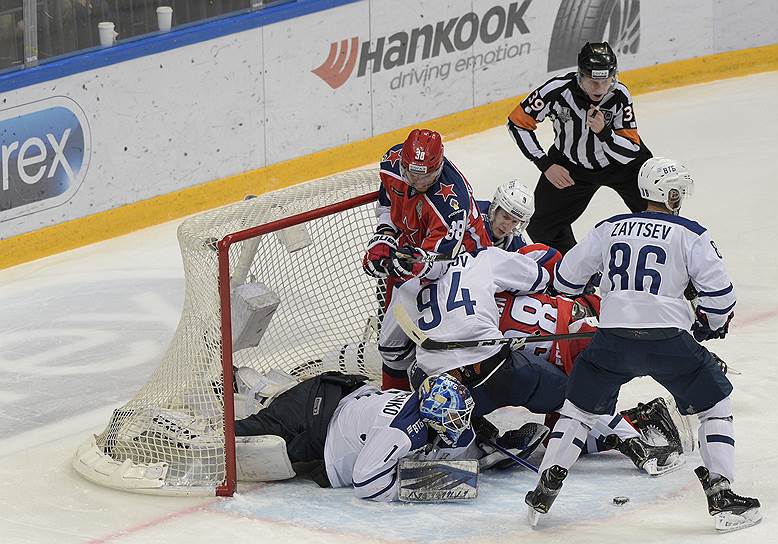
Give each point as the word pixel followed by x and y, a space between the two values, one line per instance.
pixel 667 181
pixel 422 154
pixel 445 406
pixel 597 61
pixel 516 200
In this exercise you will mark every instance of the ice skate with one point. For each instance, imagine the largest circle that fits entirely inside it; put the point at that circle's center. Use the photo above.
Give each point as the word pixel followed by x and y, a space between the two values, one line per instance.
pixel 653 420
pixel 542 497
pixel 656 460
pixel 731 511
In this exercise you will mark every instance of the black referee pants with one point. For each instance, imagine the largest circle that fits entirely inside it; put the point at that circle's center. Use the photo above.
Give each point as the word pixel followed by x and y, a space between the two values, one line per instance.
pixel 556 209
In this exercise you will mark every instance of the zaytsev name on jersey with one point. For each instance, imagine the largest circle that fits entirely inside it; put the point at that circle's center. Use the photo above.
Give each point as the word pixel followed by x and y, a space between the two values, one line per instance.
pixel 370 431
pixel 434 220
pixel 650 258
pixel 562 100
pixel 460 304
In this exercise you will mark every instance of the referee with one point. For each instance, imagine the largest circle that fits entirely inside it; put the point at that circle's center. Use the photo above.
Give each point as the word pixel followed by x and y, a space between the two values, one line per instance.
pixel 596 143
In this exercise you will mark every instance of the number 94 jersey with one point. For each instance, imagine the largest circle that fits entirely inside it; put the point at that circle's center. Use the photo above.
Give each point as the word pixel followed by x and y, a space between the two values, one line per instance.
pixel 460 305
pixel 647 259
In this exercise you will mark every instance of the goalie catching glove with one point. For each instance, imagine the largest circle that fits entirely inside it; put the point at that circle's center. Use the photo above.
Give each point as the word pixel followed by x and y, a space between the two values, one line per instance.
pixel 379 253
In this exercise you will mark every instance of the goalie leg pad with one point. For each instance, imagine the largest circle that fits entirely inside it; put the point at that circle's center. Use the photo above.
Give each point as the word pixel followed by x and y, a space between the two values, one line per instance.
pixel 437 481
pixel 262 459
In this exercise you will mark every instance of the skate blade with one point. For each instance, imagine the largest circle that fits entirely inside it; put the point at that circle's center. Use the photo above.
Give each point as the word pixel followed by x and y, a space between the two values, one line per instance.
pixel 533 516
pixel 674 462
pixel 727 522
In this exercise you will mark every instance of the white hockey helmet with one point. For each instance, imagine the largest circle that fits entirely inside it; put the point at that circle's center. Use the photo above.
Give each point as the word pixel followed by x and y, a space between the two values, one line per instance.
pixel 664 180
pixel 516 200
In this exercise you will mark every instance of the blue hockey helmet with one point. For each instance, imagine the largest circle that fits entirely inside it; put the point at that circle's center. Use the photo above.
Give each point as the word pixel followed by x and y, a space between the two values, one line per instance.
pixel 445 406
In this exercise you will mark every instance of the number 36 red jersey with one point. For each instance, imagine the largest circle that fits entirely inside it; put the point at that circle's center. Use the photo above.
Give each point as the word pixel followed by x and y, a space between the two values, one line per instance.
pixel 526 315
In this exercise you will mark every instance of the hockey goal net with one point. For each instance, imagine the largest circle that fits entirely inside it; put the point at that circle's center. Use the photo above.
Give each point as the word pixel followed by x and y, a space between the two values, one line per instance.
pixel 295 254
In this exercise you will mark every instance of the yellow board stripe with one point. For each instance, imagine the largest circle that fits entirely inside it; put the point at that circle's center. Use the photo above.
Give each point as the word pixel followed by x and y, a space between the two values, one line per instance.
pixel 125 219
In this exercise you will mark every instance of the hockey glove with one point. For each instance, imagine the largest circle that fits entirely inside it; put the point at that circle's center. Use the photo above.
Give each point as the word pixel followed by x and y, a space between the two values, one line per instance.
pixel 702 331
pixel 520 442
pixel 379 252
pixel 690 293
pixel 410 262
pixel 592 284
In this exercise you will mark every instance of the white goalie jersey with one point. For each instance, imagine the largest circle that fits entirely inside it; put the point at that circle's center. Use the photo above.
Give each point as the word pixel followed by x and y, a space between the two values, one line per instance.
pixel 370 431
pixel 647 260
pixel 460 304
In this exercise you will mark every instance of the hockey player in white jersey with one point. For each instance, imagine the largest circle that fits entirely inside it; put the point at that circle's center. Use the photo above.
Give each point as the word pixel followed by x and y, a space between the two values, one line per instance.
pixel 340 431
pixel 647 260
pixel 460 305
pixel 457 301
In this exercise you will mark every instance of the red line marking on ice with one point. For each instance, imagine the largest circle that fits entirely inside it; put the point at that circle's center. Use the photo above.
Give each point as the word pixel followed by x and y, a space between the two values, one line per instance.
pixel 749 319
pixel 148 524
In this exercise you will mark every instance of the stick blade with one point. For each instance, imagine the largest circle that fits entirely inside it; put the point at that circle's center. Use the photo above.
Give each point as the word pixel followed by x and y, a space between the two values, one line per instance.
pixel 407 325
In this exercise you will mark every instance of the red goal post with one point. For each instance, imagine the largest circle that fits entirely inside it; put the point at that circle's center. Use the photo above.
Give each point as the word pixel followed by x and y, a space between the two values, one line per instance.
pixel 300 247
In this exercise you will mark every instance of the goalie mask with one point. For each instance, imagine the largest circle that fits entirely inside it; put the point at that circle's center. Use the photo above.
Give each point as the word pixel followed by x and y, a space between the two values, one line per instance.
pixel 516 200
pixel 666 181
pixel 445 406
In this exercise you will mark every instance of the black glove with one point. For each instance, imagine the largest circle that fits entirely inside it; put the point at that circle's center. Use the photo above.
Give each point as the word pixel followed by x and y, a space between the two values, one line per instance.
pixel 550 291
pixel 484 429
pixel 690 293
pixel 702 331
pixel 592 284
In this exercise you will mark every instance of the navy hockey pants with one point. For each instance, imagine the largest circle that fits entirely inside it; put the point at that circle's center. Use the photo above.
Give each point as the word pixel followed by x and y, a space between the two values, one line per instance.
pixel 684 367
pixel 522 380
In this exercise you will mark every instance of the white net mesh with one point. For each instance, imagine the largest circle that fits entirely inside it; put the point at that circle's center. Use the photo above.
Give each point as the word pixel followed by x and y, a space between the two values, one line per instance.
pixel 327 319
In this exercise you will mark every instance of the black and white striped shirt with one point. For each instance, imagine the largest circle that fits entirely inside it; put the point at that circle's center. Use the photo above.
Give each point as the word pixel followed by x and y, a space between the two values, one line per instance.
pixel 565 103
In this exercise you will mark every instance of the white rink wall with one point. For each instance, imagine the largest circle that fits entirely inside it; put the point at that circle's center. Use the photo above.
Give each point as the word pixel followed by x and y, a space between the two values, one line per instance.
pixel 263 92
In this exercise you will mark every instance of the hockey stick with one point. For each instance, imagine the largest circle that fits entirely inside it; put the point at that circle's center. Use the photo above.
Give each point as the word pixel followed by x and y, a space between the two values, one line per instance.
pixel 422 340
pixel 512 457
pixel 433 258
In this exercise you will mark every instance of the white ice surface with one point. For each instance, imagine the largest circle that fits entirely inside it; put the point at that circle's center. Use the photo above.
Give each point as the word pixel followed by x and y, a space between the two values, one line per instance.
pixel 80 332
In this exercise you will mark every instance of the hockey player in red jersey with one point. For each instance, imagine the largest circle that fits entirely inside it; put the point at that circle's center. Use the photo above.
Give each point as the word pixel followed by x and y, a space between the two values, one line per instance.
pixel 545 314
pixel 425 205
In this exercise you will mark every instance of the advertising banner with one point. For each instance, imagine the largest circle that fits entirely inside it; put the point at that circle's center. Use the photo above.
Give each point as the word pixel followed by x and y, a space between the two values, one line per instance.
pixel 130 131
pixel 45 149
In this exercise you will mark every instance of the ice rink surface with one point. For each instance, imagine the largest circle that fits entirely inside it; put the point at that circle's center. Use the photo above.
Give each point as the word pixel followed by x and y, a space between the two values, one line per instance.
pixel 80 332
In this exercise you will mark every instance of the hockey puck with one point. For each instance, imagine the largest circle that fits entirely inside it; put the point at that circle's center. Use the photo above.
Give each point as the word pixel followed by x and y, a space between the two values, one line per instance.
pixel 620 501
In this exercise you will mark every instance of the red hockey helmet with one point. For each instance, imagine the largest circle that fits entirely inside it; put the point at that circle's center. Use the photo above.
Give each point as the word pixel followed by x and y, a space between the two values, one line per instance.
pixel 422 152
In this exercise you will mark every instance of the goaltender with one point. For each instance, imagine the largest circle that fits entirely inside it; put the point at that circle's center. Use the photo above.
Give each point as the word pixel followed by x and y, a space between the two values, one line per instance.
pixel 340 431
